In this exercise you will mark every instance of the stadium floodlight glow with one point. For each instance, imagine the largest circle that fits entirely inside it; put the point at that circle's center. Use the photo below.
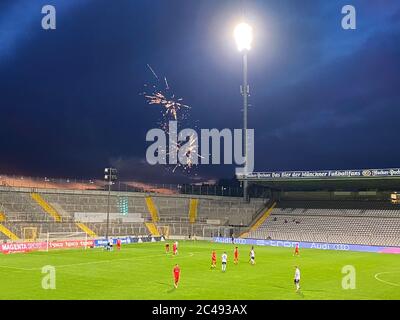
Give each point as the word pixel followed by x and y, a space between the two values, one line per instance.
pixel 244 36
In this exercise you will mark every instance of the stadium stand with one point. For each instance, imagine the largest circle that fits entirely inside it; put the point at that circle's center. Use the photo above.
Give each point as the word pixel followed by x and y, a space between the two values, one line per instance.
pixel 46 206
pixel 8 233
pixel 153 210
pixel 193 210
pixel 60 210
pixel 355 222
pixel 18 206
pixel 351 217
pixel 86 229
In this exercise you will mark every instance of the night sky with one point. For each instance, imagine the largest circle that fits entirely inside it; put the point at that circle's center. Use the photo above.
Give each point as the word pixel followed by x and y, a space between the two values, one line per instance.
pixel 321 97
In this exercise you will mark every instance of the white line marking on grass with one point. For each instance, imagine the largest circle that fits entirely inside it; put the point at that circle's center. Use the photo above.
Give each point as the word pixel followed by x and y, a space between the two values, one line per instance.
pixel 21 269
pixel 387 282
pixel 109 260
pixel 97 262
pixel 125 259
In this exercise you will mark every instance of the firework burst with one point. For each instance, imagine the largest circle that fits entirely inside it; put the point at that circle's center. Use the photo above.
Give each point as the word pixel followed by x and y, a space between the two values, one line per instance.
pixel 187 149
pixel 172 108
pixel 190 153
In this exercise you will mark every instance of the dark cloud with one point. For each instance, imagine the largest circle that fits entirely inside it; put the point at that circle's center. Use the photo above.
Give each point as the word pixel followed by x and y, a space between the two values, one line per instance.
pixel 343 116
pixel 321 97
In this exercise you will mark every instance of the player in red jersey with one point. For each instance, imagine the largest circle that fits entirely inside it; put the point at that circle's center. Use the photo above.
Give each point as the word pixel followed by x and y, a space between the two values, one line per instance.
pixel 236 256
pixel 296 250
pixel 174 249
pixel 119 244
pixel 166 247
pixel 177 274
pixel 213 260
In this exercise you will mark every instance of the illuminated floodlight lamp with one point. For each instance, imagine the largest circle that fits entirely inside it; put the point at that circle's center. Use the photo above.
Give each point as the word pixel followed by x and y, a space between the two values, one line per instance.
pixel 244 36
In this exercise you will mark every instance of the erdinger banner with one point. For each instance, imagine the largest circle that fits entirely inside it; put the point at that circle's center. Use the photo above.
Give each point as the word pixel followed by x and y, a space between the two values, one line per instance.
pixel 310 245
pixel 325 174
pixel 16 247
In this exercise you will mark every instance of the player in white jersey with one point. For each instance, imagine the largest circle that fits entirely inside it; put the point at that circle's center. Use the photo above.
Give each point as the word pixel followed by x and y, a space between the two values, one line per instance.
pixel 224 260
pixel 297 278
pixel 252 256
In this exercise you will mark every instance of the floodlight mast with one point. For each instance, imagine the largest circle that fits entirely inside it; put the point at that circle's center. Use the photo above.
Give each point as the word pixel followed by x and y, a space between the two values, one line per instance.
pixel 110 176
pixel 243 34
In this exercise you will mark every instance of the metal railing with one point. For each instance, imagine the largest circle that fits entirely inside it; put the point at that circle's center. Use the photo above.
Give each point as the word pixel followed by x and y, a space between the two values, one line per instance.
pixel 34 183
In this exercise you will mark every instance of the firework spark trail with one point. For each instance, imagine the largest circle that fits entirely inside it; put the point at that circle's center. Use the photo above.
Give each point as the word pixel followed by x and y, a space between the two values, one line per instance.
pixel 151 69
pixel 175 109
pixel 166 83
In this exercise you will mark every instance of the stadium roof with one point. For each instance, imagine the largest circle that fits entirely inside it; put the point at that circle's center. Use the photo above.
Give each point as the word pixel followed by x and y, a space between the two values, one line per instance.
pixel 348 180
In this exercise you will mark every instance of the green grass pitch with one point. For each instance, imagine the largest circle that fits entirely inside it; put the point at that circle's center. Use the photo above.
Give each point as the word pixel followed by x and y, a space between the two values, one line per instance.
pixel 144 271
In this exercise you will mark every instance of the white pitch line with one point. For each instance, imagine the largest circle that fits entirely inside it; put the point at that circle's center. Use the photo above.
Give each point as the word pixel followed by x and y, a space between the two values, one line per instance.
pixel 16 268
pixel 97 262
pixel 387 282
